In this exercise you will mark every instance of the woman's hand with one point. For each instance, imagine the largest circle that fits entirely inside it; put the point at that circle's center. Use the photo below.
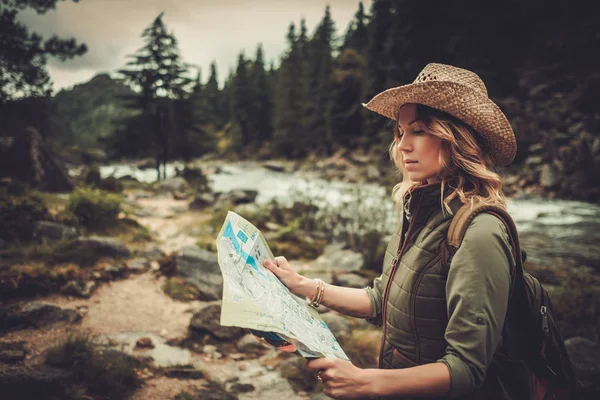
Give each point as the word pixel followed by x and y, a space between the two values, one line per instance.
pixel 286 274
pixel 341 379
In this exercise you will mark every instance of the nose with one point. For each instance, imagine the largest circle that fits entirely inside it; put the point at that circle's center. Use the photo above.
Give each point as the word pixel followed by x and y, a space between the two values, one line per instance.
pixel 404 144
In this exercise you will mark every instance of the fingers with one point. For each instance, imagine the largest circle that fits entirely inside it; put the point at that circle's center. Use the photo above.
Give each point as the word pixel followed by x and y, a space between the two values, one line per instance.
pixel 277 264
pixel 321 363
pixel 281 262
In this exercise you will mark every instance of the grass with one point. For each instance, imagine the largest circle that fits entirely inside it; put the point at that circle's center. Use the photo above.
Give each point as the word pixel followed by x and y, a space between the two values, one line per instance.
pixel 99 374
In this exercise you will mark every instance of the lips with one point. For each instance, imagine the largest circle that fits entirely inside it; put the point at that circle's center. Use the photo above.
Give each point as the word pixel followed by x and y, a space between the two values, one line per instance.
pixel 410 162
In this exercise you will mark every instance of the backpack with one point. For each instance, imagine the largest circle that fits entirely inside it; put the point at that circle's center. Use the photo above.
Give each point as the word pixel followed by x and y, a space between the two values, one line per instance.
pixel 530 328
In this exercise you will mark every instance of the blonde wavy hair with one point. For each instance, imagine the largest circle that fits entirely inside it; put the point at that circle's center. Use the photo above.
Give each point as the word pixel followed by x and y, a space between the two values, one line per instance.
pixel 466 168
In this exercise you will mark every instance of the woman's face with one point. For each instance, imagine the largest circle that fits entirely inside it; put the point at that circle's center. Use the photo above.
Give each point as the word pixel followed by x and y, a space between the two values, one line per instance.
pixel 419 150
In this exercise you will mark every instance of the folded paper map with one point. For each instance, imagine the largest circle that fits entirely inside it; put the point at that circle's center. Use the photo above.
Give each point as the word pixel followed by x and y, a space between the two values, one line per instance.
pixel 254 298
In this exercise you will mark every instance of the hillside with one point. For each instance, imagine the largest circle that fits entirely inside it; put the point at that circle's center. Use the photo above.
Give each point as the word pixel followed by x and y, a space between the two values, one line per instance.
pixel 90 110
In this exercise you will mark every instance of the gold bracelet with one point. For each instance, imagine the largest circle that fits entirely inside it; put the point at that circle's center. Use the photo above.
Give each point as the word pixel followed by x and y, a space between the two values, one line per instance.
pixel 311 300
pixel 316 299
pixel 320 297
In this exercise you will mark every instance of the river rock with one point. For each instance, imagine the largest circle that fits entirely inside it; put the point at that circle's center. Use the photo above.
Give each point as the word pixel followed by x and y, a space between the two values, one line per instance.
pixel 46 231
pixel 584 355
pixel 206 321
pixel 34 314
pixel 351 280
pixel 12 352
pixel 201 201
pixel 242 388
pixel 79 289
pixel 138 264
pixel 200 268
pixel 176 184
pixel 248 344
pixel 144 343
pixel 150 252
pixel 274 166
pixel 239 196
pixel 88 250
pixel 184 373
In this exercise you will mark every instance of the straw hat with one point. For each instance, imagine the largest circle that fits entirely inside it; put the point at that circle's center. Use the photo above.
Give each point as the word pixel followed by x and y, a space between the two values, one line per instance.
pixel 460 93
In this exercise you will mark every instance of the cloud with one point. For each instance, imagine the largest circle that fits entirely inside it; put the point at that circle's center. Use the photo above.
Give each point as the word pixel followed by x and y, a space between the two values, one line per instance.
pixel 207 30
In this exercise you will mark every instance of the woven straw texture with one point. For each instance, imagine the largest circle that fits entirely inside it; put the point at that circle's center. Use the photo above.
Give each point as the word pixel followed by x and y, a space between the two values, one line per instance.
pixel 460 93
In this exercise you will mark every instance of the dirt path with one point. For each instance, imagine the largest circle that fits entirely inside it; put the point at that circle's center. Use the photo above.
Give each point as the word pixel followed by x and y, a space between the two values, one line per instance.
pixel 139 305
pixel 163 217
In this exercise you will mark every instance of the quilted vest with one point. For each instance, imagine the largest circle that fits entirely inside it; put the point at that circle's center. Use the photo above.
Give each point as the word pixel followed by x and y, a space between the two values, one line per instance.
pixel 414 282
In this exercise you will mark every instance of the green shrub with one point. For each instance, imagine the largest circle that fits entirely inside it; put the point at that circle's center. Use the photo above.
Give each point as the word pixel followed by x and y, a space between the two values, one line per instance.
pixel 101 374
pixel 178 289
pixel 19 215
pixel 196 178
pixel 94 208
pixel 74 349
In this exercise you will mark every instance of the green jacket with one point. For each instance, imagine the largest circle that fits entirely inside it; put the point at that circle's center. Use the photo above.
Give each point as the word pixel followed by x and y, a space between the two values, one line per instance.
pixel 438 313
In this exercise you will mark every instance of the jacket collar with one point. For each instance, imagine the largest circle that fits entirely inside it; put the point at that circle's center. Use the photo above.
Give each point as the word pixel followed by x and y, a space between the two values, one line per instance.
pixel 428 197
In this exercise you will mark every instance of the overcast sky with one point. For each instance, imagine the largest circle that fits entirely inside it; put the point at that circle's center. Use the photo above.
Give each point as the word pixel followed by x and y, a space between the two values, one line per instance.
pixel 206 29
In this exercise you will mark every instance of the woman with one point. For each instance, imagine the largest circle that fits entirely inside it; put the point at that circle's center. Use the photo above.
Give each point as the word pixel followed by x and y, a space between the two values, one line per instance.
pixel 443 323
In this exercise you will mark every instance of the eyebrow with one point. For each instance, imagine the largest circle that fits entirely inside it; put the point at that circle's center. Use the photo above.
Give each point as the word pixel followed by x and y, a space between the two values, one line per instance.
pixel 409 124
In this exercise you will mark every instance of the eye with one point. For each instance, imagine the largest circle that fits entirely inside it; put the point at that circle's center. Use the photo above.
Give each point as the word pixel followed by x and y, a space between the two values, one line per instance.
pixel 418 132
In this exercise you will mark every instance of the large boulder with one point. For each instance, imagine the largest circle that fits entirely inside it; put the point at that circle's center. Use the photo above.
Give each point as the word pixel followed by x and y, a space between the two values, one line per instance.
pixel 200 268
pixel 206 321
pixel 176 184
pixel 35 314
pixel 28 158
pixel 202 200
pixel 88 250
pixel 47 231
pixel 239 196
pixel 79 289
pixel 336 258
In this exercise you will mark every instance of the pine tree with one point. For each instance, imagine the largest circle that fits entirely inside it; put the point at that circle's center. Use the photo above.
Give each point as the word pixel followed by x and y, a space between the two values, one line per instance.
pixel 214 98
pixel 243 104
pixel 347 112
pixel 263 112
pixel 321 82
pixel 23 54
pixel 290 136
pixel 356 35
pixel 158 74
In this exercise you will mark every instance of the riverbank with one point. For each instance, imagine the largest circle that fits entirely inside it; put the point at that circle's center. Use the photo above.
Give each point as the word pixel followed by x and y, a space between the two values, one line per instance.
pixel 160 295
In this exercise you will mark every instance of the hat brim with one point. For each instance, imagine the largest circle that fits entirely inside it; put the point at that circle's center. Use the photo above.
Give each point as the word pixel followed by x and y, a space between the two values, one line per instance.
pixel 472 107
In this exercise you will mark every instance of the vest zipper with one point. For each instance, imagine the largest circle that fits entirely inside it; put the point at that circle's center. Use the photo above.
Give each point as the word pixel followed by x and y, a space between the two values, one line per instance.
pixel 413 302
pixel 391 279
